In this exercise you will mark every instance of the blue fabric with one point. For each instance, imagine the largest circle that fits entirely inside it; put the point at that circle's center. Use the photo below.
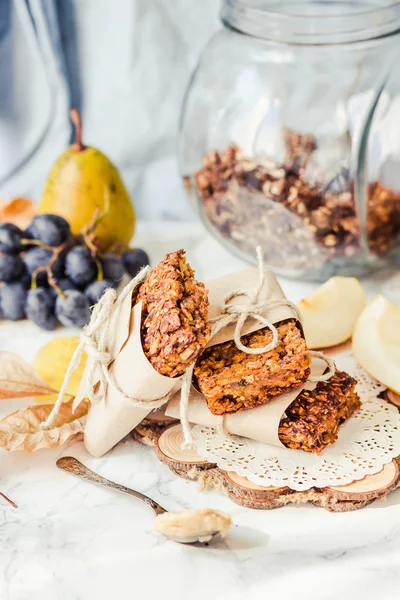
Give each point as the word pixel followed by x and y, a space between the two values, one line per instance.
pixel 34 94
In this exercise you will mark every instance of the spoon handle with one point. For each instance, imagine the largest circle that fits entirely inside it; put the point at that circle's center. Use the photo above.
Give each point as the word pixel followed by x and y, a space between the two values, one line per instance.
pixel 75 467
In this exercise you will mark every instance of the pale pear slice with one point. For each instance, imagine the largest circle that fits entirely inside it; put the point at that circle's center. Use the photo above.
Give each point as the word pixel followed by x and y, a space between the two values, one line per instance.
pixel 376 342
pixel 330 313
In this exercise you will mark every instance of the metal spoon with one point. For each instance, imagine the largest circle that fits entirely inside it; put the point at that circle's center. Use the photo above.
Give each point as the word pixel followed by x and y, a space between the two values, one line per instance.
pixel 75 467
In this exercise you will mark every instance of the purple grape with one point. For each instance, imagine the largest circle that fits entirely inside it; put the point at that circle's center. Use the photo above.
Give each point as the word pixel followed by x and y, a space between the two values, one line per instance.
pixel 112 268
pixel 10 238
pixel 80 266
pixel 66 284
pixel 96 289
pixel 63 284
pixel 133 260
pixel 40 257
pixel 73 310
pixel 39 308
pixel 50 229
pixel 12 301
pixel 25 279
pixel 11 267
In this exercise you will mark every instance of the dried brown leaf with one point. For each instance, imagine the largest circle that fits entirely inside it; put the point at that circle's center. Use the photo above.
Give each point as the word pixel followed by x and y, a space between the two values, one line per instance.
pixel 20 380
pixel 19 211
pixel 21 430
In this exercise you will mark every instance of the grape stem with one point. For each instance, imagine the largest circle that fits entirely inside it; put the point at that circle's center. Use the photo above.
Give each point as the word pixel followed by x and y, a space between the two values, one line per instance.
pixel 29 242
pixel 48 268
pixel 89 237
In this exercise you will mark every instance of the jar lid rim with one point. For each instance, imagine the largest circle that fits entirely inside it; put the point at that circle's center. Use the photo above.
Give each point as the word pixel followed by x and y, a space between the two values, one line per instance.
pixel 275 21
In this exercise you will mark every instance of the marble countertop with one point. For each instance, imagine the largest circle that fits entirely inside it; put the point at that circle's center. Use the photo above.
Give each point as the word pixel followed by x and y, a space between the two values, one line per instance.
pixel 71 540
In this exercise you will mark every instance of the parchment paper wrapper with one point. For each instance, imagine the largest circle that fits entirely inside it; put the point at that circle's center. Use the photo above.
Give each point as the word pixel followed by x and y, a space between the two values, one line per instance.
pixel 260 424
pixel 247 281
pixel 113 418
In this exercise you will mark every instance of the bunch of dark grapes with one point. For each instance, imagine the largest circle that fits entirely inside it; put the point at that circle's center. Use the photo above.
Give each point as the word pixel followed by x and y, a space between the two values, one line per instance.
pixel 51 277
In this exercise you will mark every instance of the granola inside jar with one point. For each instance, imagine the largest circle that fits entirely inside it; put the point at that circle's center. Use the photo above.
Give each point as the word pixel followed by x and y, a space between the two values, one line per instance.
pixel 290 135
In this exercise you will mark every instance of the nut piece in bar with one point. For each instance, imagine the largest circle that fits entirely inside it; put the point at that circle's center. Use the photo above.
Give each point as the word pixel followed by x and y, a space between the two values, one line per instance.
pixel 232 380
pixel 312 421
pixel 175 324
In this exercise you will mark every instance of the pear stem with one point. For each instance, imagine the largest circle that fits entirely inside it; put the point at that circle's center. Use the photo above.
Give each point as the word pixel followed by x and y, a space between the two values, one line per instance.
pixel 77 123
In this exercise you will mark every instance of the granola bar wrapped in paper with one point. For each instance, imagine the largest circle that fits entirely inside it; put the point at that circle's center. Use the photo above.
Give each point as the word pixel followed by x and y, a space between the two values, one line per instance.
pixel 237 371
pixel 151 345
pixel 307 417
pixel 265 374
pixel 242 305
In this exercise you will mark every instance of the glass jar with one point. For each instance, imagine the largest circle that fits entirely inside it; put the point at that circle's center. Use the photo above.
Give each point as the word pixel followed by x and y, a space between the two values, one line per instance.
pixel 290 134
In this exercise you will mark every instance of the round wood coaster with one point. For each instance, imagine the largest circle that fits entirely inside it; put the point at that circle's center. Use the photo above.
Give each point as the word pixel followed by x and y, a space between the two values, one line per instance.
pixel 244 488
pixel 169 451
pixel 158 416
pixel 189 465
pixel 244 492
pixel 370 487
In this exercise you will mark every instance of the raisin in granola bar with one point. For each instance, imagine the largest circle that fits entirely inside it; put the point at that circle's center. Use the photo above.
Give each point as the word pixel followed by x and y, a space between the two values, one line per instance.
pixel 312 421
pixel 175 324
pixel 232 380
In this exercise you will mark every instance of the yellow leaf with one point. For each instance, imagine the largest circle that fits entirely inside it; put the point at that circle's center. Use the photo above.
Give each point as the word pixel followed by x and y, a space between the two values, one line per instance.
pixel 52 361
pixel 21 430
pixel 19 380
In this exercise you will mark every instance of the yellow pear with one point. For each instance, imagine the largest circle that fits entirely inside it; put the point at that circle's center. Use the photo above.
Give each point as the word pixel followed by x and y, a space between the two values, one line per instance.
pixel 84 180
pixel 330 313
pixel 376 342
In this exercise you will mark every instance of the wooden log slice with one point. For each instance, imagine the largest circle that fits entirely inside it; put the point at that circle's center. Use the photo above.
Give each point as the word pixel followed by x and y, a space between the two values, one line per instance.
pixel 158 416
pixel 189 465
pixel 333 504
pixel 393 398
pixel 370 487
pixel 147 432
pixel 255 504
pixel 244 488
pixel 168 447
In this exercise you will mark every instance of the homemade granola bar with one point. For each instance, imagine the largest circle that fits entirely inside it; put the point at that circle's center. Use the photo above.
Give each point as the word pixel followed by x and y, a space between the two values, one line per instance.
pixel 312 421
pixel 175 324
pixel 232 380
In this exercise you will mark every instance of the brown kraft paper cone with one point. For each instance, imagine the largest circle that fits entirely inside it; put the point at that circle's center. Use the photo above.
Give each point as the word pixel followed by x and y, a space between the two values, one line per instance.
pixel 110 420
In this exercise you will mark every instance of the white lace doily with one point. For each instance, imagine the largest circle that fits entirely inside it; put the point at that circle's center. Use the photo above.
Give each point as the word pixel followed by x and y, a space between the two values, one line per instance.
pixel 367 442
